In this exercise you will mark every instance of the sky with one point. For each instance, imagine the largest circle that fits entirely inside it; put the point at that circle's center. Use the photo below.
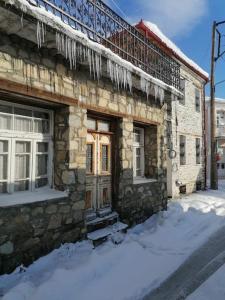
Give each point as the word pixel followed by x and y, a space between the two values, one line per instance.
pixel 188 23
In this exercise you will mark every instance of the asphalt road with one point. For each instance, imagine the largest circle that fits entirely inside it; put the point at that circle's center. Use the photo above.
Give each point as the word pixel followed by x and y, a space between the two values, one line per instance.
pixel 194 271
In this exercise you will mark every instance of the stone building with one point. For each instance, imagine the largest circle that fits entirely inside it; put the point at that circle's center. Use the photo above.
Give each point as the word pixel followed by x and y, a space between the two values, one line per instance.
pixel 220 137
pixel 82 132
pixel 185 120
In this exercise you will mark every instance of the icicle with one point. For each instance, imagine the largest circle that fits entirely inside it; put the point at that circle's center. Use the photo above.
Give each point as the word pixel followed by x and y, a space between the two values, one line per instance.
pixel 41 32
pixel 119 75
pixel 161 95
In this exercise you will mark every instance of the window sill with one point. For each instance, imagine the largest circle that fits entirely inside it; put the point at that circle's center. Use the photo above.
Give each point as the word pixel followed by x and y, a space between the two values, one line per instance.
pixel 143 180
pixel 42 194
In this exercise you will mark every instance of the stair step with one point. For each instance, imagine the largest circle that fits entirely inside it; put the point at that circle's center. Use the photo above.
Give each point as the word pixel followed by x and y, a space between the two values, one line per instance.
pixel 102 234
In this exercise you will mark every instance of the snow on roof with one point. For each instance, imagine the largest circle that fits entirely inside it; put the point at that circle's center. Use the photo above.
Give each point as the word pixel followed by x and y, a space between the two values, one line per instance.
pixel 155 29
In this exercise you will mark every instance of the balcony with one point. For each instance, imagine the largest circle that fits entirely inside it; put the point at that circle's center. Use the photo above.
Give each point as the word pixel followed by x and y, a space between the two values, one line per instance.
pixel 104 26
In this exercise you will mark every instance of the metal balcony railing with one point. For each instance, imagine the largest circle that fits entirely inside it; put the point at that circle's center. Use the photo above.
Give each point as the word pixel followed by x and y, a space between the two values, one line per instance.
pixel 101 24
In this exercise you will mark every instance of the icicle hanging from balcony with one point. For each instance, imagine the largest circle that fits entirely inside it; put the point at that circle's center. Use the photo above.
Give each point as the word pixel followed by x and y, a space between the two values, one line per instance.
pixel 41 32
pixel 119 75
pixel 74 51
pixel 151 88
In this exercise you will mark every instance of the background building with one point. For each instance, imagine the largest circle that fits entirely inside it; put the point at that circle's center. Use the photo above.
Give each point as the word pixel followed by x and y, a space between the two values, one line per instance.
pixel 185 120
pixel 220 136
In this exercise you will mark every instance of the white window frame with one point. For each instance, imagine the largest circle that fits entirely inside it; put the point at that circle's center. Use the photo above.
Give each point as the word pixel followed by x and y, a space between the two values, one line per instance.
pixel 12 136
pixel 140 145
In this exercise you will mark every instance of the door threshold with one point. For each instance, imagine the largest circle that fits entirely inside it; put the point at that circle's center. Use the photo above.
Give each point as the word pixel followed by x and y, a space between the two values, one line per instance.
pixel 99 220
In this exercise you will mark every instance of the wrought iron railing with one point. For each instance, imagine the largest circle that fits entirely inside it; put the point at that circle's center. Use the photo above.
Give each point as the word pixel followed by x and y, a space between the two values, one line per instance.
pixel 103 25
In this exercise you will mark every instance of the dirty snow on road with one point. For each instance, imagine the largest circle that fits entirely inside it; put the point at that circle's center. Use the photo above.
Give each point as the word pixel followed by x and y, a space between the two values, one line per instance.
pixel 213 288
pixel 149 253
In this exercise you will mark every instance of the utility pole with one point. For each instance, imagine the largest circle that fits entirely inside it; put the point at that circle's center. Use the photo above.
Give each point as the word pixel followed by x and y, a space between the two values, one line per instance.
pixel 213 174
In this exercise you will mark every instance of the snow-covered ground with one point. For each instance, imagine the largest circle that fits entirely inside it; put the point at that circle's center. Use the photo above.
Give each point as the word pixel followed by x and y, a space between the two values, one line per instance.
pixel 213 288
pixel 148 255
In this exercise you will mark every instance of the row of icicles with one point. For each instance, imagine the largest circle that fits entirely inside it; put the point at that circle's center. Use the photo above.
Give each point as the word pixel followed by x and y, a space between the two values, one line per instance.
pixel 75 52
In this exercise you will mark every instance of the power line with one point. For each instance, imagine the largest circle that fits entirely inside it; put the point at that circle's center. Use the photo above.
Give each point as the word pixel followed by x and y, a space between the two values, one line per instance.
pixel 117 6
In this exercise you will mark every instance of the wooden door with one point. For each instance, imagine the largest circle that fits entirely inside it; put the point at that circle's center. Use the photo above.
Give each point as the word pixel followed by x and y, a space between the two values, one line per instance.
pixel 98 170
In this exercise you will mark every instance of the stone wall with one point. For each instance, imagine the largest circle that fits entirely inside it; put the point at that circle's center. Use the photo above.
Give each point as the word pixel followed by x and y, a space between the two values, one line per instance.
pixel 28 231
pixel 186 121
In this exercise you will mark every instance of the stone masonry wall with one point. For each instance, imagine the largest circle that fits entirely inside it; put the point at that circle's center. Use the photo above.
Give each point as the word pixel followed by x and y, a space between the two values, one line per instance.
pixel 186 121
pixel 28 231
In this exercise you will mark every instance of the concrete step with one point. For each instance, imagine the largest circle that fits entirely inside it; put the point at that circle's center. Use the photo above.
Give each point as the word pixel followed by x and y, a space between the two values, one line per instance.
pixel 101 235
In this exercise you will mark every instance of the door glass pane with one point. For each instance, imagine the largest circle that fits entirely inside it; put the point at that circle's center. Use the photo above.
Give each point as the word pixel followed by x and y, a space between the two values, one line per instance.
pixel 88 200
pixel 105 157
pixel 103 126
pixel 89 158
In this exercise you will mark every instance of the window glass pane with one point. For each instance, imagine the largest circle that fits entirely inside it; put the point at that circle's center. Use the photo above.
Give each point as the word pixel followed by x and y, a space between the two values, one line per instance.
pixel 23 124
pixel 21 185
pixel 3 146
pixel 103 126
pixel 42 147
pixel 91 124
pixel 22 160
pixel 5 121
pixel 3 187
pixel 42 164
pixel 22 112
pixel 5 108
pixel 105 158
pixel 40 182
pixel 22 147
pixel 41 126
pixel 137 135
pixel 22 166
pixel 41 115
pixel 3 166
pixel 89 158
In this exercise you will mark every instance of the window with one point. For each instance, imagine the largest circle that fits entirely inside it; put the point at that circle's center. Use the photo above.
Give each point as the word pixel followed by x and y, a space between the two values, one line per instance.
pixel 218 166
pixel 197 100
pixel 4 150
pixel 222 166
pixel 182 89
pixel 98 125
pixel 25 148
pixel 138 152
pixel 182 150
pixel 198 151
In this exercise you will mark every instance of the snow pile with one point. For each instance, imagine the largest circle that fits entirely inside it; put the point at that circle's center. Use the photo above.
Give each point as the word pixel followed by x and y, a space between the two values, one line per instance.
pixel 148 255
pixel 74 45
pixel 155 29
